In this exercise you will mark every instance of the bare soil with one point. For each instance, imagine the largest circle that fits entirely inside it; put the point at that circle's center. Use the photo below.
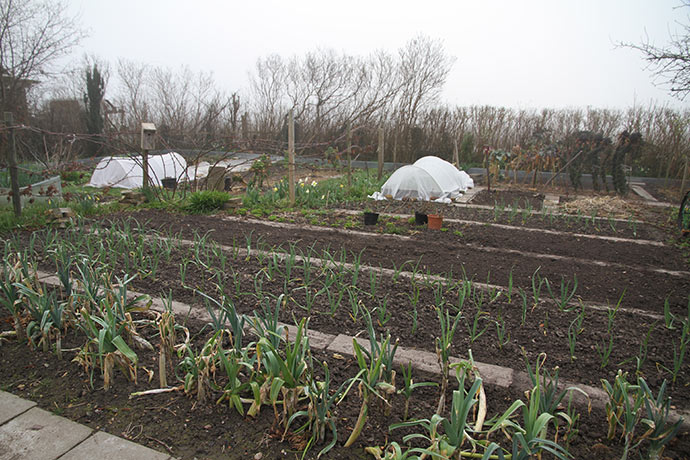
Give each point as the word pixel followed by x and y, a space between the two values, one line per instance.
pixel 483 253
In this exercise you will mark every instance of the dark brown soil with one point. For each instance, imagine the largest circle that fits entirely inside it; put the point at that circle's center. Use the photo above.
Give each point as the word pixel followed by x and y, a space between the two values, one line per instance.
pixel 516 198
pixel 446 252
pixel 482 253
pixel 659 222
pixel 187 429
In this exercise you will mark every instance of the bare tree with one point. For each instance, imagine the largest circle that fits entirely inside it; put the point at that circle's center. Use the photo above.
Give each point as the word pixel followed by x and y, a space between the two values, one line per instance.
pixel 268 91
pixel 670 64
pixel 33 34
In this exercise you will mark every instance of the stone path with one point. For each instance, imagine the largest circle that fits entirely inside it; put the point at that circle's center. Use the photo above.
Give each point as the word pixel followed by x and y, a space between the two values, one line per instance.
pixel 30 433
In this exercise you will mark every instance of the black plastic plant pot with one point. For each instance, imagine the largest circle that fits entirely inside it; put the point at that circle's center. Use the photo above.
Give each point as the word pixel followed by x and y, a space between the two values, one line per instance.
pixel 420 218
pixel 370 218
pixel 169 182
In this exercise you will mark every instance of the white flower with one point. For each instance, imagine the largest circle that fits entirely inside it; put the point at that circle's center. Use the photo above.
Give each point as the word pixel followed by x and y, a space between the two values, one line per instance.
pixel 314 183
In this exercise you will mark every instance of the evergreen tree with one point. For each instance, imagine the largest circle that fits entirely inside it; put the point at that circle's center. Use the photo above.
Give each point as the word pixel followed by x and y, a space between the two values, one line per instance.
pixel 95 90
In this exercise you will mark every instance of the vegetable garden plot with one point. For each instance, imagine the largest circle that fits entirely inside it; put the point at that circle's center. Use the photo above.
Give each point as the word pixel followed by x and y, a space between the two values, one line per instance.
pixel 495 324
pixel 485 319
pixel 632 252
pixel 439 253
pixel 545 219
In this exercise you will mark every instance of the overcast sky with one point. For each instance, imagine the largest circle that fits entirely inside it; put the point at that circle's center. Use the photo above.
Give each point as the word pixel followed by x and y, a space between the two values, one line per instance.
pixel 515 53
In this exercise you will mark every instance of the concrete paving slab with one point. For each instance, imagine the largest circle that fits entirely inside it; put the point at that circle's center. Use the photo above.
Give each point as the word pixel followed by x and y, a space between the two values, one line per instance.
pixel 105 446
pixel 39 435
pixel 422 360
pixel 492 374
pixel 11 406
pixel 317 340
pixel 427 361
pixel 643 193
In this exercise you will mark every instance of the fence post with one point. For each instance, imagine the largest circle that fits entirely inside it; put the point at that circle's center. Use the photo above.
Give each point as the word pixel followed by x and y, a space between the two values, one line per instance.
pixel 685 175
pixel 291 157
pixel 456 156
pixel 349 155
pixel 12 162
pixel 381 149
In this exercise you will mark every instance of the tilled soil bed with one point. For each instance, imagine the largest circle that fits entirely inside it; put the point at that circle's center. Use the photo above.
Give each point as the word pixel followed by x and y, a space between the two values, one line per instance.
pixel 187 429
pixel 445 252
pixel 482 253
pixel 521 199
pixel 659 222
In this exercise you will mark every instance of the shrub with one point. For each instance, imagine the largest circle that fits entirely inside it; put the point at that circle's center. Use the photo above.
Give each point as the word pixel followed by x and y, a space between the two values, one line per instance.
pixel 206 201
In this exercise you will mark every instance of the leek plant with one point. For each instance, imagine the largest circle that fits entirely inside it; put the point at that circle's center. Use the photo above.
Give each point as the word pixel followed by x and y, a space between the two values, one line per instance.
pixel 565 294
pixel 376 376
pixel 631 404
pixel 409 386
pixel 9 294
pixel 319 414
pixel 289 374
pixel 166 330
pixel 679 353
pixel 575 328
pixel 537 284
pixel 604 351
pixel 475 330
pixel 550 396
pixel 199 367
pixel 456 430
pixel 443 344
pixel 233 364
pixel 523 311
pixel 106 344
pixel 502 334
pixel 47 315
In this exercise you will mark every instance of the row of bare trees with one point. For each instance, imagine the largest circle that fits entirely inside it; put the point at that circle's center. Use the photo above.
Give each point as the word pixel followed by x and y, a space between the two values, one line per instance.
pixel 327 91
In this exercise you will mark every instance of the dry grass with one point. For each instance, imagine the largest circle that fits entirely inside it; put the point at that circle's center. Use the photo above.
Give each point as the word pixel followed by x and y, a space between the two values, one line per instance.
pixel 612 206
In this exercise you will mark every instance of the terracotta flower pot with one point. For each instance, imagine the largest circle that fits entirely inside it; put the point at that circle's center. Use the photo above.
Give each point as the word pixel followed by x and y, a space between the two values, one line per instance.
pixel 435 221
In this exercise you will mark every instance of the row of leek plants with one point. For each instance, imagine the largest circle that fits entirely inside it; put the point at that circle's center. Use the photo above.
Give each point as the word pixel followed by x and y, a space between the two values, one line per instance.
pixel 270 368
pixel 338 280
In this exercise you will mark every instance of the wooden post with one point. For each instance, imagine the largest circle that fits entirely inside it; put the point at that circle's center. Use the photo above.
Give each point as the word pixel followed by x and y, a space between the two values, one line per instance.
pixel 349 155
pixel 381 147
pixel 12 162
pixel 685 175
pixel 487 165
pixel 395 146
pixel 145 168
pixel 291 157
pixel 456 156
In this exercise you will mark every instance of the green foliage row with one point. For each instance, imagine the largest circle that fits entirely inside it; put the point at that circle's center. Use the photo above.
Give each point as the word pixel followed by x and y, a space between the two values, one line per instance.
pixel 206 201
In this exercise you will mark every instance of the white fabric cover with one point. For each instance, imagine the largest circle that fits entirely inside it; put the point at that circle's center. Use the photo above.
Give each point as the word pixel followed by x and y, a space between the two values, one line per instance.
pixel 411 182
pixel 127 172
pixel 452 181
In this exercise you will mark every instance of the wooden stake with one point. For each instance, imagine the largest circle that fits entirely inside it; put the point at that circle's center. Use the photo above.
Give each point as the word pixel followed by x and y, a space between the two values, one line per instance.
pixel 685 175
pixel 145 166
pixel 381 147
pixel 456 156
pixel 349 155
pixel 291 156
pixel 12 162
